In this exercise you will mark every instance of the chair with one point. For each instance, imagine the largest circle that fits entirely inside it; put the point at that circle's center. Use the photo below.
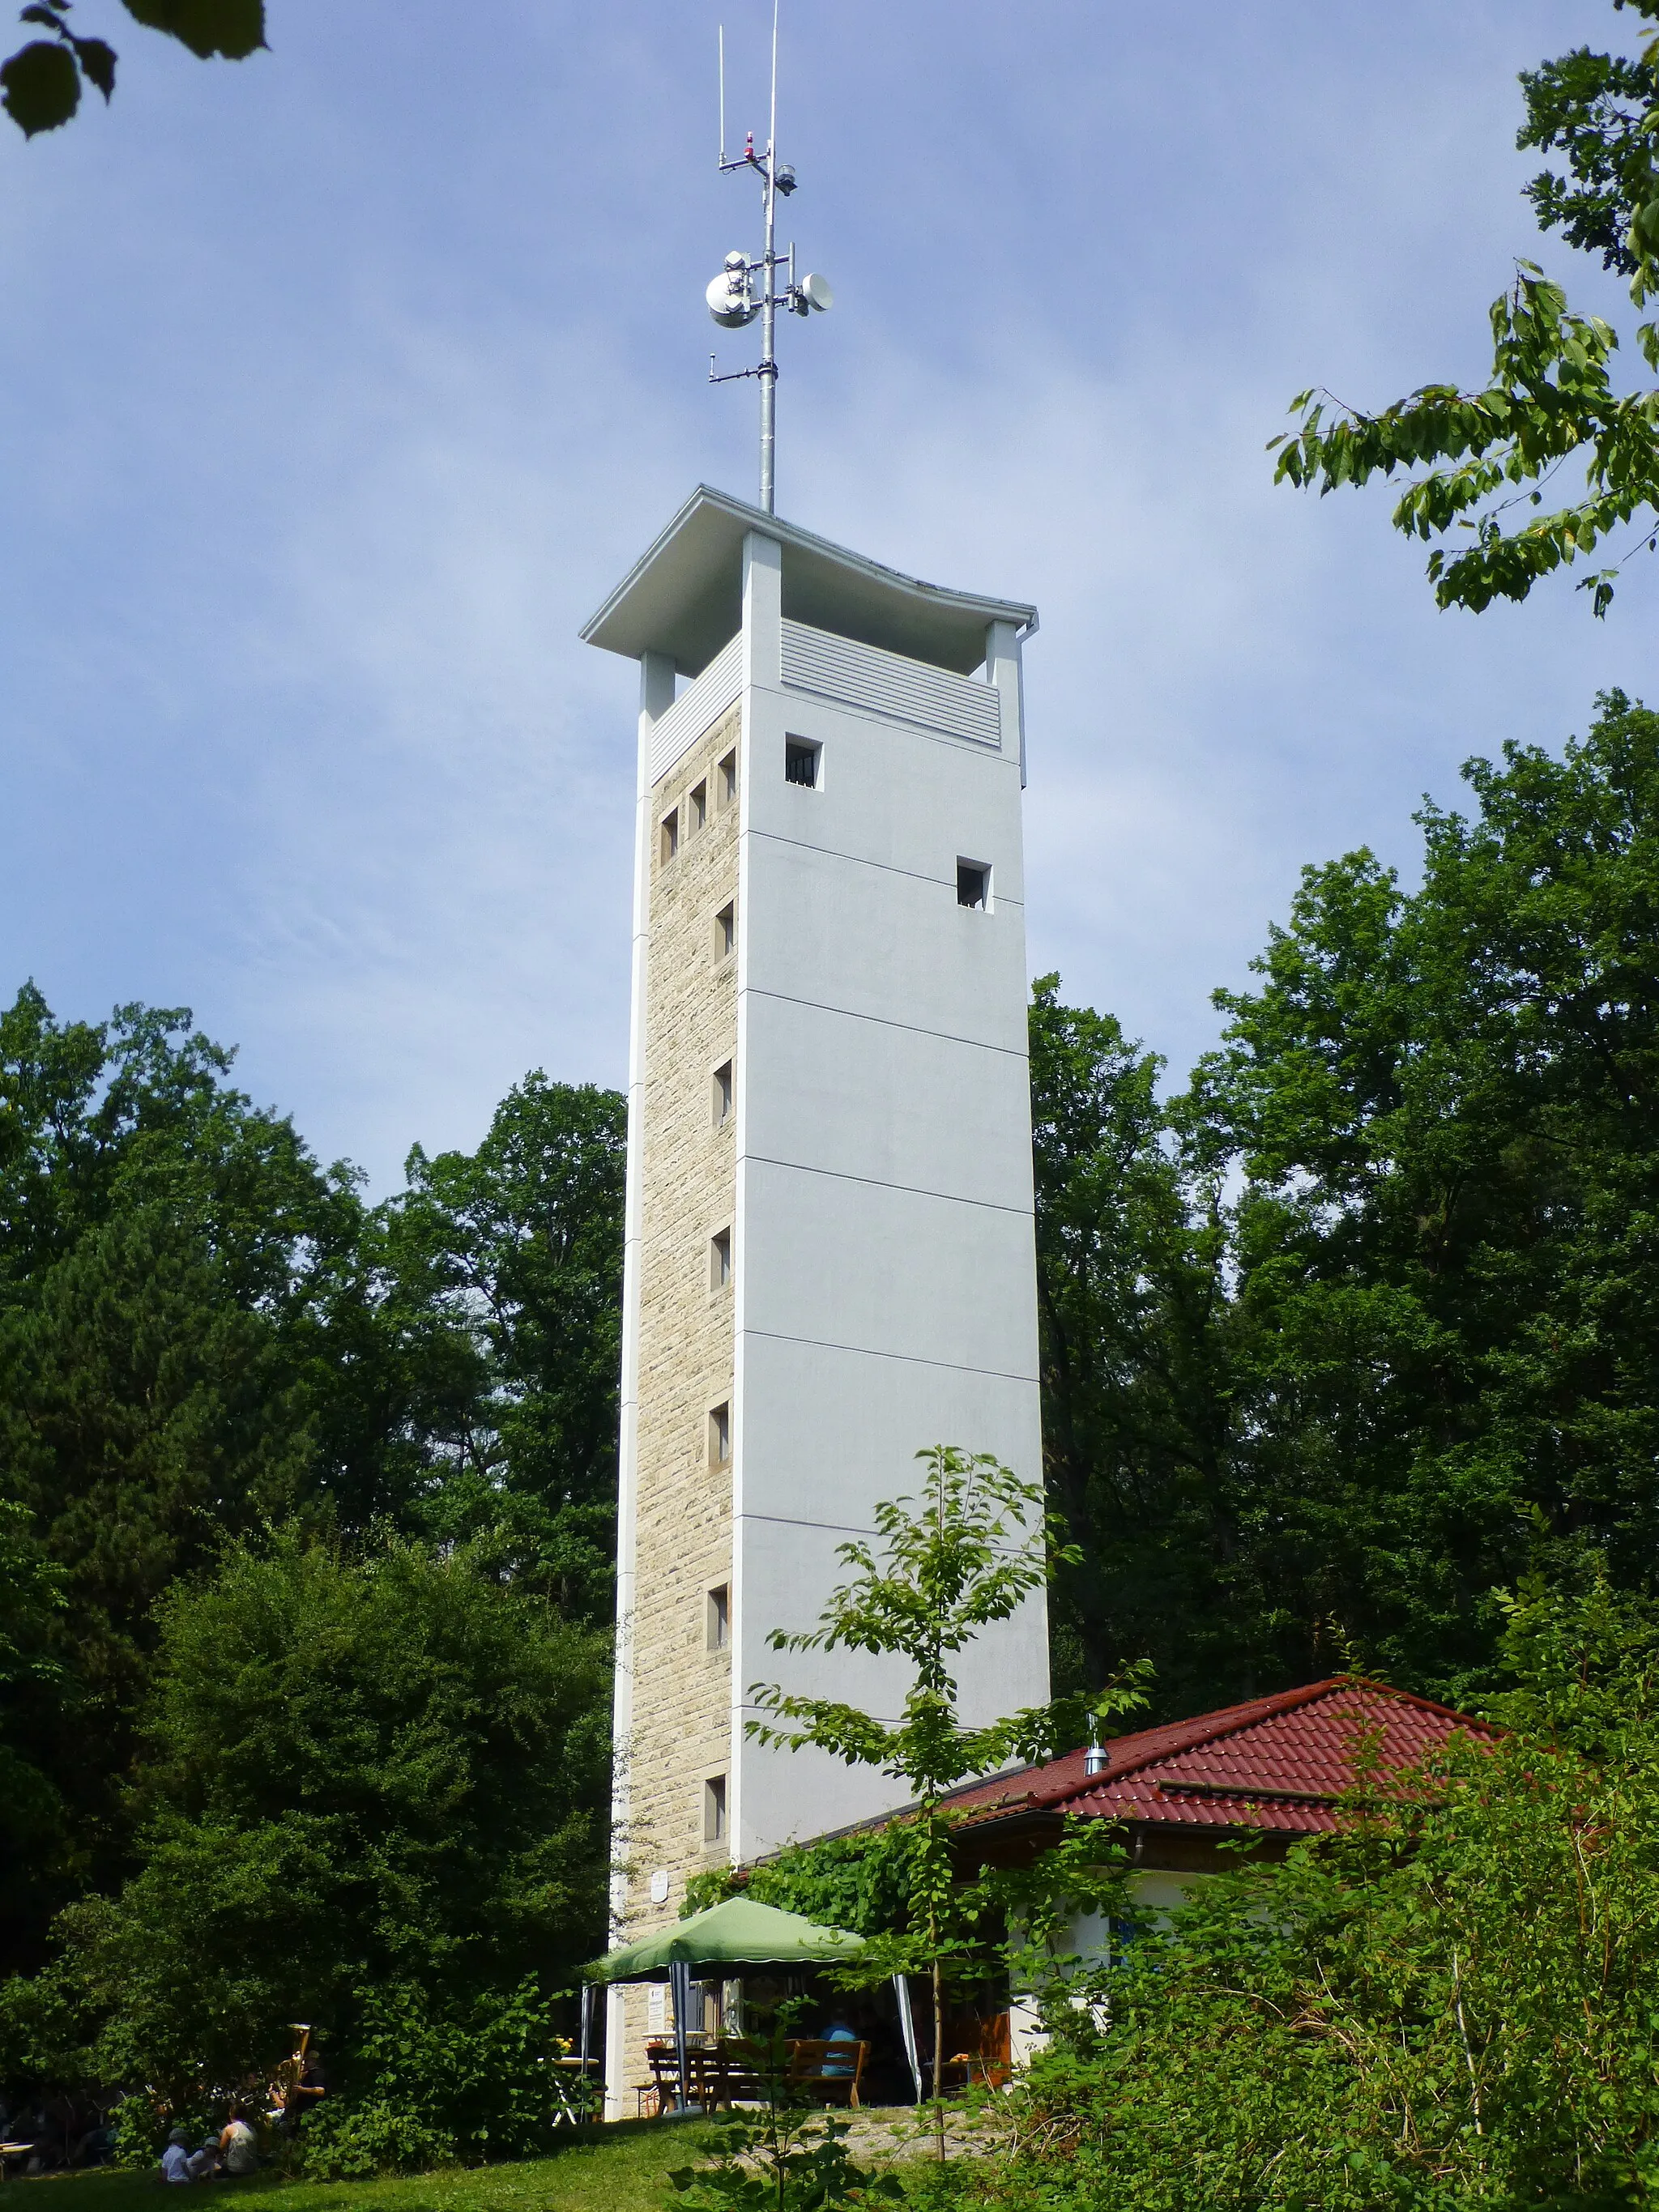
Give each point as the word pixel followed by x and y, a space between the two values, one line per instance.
pixel 808 2061
pixel 664 2083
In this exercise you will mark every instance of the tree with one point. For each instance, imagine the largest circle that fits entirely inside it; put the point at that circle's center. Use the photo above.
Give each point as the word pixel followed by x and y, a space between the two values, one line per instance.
pixel 204 1332
pixel 518 1247
pixel 357 1776
pixel 40 84
pixel 1325 1336
pixel 1552 395
pixel 1134 1315
pixel 1445 1108
pixel 166 1250
pixel 948 1563
pixel 36 1844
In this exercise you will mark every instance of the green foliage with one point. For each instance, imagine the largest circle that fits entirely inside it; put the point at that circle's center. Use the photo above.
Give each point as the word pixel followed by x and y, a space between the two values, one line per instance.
pixel 33 1830
pixel 1593 108
pixel 1450 2005
pixel 781 2158
pixel 202 1333
pixel 168 1258
pixel 1133 1304
pixel 352 2141
pixel 427 2081
pixel 863 1881
pixel 517 1250
pixel 945 1566
pixel 1445 1105
pixel 384 1776
pixel 1551 395
pixel 1324 1339
pixel 40 83
pixel 949 1564
pixel 142 2124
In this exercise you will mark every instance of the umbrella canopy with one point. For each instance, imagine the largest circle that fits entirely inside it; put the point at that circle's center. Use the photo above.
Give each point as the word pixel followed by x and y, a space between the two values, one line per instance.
pixel 738 1933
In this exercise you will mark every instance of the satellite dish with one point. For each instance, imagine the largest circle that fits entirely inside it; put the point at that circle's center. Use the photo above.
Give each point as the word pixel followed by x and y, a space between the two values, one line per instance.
pixel 728 298
pixel 815 290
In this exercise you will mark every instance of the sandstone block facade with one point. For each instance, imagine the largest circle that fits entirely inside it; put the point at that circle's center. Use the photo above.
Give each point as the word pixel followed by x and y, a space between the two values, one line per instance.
pixel 682 1719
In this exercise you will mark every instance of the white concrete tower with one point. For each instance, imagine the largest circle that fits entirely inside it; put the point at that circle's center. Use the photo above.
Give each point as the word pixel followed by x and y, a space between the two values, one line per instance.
pixel 830 1261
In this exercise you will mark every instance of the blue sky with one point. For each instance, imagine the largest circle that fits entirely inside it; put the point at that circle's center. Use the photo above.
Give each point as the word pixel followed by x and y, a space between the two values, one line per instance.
pixel 338 387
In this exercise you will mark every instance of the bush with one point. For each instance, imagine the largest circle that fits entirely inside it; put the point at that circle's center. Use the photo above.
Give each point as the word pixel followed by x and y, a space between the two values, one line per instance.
pixel 473 2078
pixel 141 2125
pixel 347 2142
pixel 1448 2006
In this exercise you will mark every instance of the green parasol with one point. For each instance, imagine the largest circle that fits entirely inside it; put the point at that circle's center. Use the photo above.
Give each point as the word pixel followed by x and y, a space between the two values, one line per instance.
pixel 740 1933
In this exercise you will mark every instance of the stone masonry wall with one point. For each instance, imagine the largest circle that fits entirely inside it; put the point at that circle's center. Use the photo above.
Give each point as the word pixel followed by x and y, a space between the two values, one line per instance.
pixel 682 1690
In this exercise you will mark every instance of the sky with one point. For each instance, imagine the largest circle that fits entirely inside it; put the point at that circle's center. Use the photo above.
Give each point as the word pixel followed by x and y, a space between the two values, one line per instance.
pixel 338 387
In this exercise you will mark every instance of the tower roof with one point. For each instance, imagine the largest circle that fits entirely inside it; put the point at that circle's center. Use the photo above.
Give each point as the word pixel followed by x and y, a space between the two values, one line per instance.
pixel 684 596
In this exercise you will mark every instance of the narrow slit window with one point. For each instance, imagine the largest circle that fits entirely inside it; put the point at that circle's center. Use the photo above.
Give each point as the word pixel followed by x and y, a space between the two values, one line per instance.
pixel 722 1094
pixel 720 1259
pixel 697 806
pixel 671 833
pixel 727 776
pixel 801 761
pixel 726 930
pixel 973 883
pixel 720 1617
pixel 719 1436
pixel 714 1809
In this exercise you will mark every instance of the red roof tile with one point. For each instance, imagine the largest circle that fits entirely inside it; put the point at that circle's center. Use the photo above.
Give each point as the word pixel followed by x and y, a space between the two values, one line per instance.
pixel 1278 1763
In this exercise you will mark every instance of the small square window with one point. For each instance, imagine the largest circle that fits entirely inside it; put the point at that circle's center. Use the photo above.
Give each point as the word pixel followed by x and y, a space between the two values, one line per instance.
pixel 697 806
pixel 722 1094
pixel 714 1809
pixel 719 1436
pixel 801 761
pixel 727 776
pixel 726 930
pixel 720 1259
pixel 671 833
pixel 973 883
pixel 719 1621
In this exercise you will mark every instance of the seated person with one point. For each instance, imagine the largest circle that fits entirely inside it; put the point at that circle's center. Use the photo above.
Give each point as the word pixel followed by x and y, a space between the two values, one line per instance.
pixel 841 2031
pixel 204 2159
pixel 239 2149
pixel 175 2159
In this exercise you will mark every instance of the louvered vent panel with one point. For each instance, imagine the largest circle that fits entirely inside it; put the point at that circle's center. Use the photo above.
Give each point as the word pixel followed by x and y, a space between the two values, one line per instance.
pixel 697 708
pixel 889 684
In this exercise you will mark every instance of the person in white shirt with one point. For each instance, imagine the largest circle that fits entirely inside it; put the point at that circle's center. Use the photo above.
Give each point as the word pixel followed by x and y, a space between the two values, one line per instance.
pixel 238 2150
pixel 175 2159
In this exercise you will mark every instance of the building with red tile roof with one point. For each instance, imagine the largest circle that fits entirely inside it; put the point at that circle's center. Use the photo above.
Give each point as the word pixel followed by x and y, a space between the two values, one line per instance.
pixel 1274 1768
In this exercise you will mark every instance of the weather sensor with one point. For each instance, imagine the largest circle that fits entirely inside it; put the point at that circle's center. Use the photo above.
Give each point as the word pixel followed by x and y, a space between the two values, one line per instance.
pixel 760 284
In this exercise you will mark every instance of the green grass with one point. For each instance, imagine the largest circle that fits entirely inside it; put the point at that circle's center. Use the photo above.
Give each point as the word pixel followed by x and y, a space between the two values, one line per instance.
pixel 622 2168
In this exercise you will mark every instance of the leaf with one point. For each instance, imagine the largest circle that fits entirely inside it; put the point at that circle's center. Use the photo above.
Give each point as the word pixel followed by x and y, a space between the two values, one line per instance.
pixel 97 62
pixel 233 28
pixel 39 87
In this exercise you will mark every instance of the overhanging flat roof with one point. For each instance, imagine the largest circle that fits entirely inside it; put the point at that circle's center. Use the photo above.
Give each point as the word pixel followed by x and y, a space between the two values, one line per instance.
pixel 684 597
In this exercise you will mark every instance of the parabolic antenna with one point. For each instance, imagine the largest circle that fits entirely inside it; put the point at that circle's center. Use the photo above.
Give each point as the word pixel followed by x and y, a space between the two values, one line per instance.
pixel 728 298
pixel 815 290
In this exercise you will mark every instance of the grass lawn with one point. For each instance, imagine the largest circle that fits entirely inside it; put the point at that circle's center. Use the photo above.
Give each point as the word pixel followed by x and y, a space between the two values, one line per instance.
pixel 622 2168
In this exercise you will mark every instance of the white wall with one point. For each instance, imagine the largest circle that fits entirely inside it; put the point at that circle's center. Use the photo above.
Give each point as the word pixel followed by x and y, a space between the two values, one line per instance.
pixel 885 1265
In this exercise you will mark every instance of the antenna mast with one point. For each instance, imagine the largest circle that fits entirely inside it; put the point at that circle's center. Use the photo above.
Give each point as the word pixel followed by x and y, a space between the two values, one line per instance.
pixel 747 287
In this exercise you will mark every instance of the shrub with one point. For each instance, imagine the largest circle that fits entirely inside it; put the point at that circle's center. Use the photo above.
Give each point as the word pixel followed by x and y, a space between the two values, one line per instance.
pixel 348 2142
pixel 1448 2006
